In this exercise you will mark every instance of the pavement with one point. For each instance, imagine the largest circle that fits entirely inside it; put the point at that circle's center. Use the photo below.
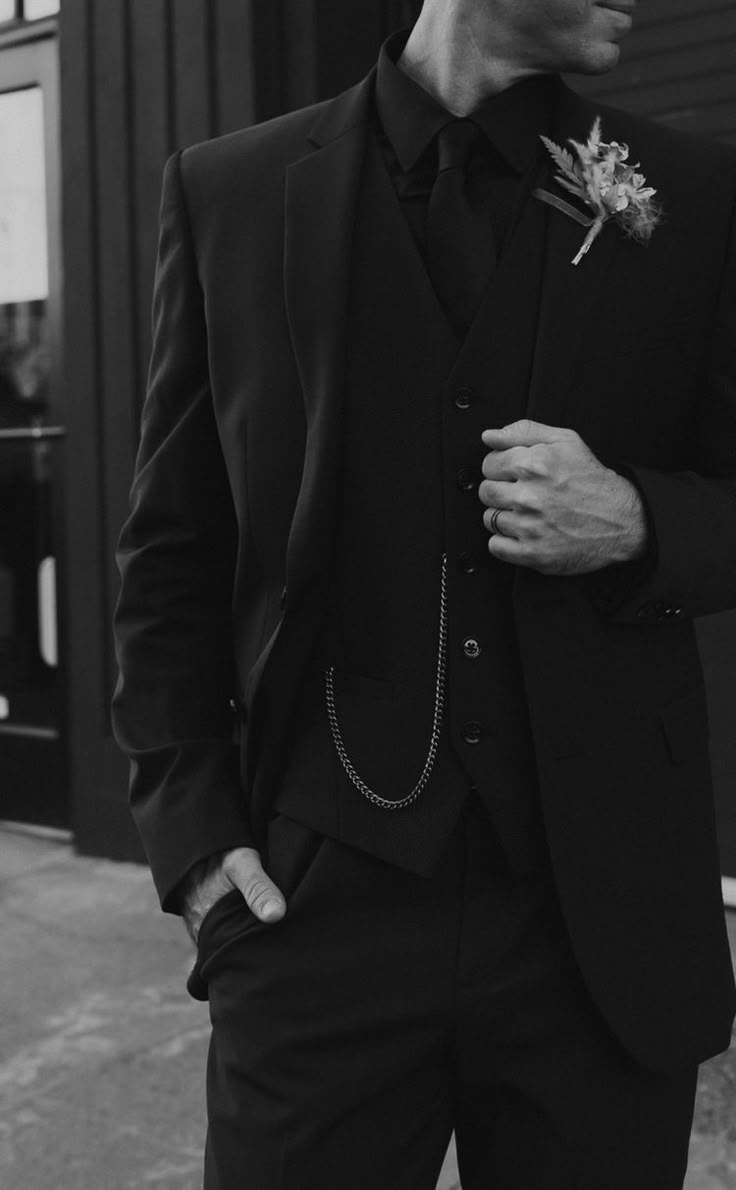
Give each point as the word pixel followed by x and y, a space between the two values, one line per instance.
pixel 102 1051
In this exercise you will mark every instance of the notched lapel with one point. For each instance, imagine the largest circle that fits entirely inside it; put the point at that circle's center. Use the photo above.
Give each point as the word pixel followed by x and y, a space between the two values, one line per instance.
pixel 321 199
pixel 320 203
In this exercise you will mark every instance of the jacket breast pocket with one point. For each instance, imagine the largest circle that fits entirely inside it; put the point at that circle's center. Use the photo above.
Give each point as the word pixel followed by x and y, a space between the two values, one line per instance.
pixel 684 722
pixel 363 686
pixel 677 338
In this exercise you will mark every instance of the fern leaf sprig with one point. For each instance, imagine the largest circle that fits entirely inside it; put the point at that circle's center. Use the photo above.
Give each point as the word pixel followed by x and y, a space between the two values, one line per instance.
pixel 597 173
pixel 562 158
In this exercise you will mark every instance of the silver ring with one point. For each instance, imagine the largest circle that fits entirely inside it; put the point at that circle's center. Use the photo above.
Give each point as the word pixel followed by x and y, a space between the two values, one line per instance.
pixel 494 521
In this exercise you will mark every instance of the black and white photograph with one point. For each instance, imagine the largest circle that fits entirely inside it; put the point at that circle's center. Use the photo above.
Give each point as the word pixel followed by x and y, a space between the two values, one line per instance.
pixel 367 594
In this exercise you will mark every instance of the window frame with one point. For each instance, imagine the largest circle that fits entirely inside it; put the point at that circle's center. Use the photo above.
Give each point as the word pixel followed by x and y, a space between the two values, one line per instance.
pixel 19 18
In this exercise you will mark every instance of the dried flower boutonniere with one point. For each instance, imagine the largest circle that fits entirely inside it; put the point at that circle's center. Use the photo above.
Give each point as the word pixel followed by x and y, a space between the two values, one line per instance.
pixel 600 176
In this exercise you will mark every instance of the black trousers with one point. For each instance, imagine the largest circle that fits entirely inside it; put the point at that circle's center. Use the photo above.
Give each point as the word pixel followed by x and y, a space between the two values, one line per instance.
pixel 386 1010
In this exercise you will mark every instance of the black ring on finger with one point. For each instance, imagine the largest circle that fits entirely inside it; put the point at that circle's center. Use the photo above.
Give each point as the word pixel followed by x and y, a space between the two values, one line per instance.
pixel 494 521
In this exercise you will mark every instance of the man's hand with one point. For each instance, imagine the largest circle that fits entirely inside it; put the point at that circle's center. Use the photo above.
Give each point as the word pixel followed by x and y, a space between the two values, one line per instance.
pixel 563 511
pixel 213 877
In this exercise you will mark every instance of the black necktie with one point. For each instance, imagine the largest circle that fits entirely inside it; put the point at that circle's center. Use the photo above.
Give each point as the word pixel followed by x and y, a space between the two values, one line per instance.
pixel 461 252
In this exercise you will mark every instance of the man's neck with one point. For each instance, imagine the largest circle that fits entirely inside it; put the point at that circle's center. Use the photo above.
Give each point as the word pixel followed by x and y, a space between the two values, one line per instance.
pixel 443 55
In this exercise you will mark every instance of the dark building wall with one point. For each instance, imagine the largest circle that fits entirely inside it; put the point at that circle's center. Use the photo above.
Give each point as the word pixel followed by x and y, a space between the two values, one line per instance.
pixel 140 78
pixel 679 66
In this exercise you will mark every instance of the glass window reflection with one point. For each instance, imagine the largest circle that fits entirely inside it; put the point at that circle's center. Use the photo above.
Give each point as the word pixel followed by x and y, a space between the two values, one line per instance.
pixel 24 285
pixel 33 10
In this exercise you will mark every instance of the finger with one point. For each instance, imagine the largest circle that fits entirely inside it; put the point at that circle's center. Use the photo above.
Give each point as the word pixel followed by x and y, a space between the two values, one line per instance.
pixel 524 433
pixel 508 549
pixel 508 524
pixel 502 464
pixel 497 494
pixel 262 896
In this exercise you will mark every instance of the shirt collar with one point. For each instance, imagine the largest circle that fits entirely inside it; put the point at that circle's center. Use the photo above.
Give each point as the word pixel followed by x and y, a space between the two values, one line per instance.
pixel 411 117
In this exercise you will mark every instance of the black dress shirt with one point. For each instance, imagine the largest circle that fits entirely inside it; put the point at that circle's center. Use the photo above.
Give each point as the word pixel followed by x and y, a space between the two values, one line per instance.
pixel 409 119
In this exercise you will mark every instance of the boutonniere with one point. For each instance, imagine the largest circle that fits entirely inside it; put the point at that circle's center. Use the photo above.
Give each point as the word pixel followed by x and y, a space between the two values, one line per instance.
pixel 599 174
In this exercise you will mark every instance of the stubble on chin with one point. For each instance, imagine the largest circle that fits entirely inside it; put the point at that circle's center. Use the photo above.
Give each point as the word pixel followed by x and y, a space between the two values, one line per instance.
pixel 597 58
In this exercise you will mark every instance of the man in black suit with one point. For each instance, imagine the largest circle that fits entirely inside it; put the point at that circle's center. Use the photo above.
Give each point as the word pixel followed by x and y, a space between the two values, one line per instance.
pixel 421 518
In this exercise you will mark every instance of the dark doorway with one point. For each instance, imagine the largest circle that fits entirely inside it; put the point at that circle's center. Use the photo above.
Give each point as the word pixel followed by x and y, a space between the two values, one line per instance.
pixel 33 744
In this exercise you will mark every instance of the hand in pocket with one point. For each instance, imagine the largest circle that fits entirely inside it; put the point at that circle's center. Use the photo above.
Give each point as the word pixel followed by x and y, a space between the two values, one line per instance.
pixel 212 878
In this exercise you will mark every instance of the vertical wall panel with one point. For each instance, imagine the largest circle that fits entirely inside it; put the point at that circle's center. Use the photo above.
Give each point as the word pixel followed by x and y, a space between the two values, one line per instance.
pixel 247 61
pixel 679 66
pixel 92 106
pixel 192 89
pixel 114 193
pixel 150 105
pixel 267 58
pixel 326 45
pixel 83 629
pixel 298 53
pixel 139 78
pixel 233 64
pixel 346 39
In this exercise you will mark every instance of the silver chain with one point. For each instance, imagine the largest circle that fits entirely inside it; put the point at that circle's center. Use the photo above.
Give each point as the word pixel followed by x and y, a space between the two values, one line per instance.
pixel 439 702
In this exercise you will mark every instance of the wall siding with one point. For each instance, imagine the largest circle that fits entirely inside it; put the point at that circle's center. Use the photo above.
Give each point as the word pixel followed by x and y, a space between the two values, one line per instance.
pixel 679 66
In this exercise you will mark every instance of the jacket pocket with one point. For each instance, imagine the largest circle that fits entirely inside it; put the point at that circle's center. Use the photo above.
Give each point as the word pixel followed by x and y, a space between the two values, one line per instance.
pixel 363 686
pixel 677 336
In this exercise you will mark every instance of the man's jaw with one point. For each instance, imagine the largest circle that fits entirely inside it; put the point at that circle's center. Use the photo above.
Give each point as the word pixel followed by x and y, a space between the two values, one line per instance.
pixel 625 7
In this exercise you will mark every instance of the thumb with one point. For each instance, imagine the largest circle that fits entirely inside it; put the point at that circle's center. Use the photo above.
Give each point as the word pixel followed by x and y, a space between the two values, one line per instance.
pixel 243 867
pixel 522 433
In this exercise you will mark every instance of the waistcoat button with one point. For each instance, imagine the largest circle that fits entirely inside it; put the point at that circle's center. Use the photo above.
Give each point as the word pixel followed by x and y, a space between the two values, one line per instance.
pixel 465 479
pixel 464 398
pixel 472 732
pixel 471 648
pixel 466 562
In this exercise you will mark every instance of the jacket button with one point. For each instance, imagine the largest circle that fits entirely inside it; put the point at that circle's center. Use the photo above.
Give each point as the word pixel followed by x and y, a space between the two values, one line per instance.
pixel 466 562
pixel 465 479
pixel 472 732
pixel 463 398
pixel 471 648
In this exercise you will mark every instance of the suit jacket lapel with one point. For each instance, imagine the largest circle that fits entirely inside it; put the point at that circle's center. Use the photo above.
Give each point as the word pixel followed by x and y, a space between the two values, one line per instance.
pixel 320 205
pixel 321 200
pixel 570 292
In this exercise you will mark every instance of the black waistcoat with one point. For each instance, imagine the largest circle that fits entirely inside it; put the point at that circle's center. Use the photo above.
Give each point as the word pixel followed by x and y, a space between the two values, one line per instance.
pixel 415 404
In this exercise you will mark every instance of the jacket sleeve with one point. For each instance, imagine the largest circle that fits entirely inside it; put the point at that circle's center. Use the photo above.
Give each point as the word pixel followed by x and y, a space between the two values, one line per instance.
pixel 690 567
pixel 171 710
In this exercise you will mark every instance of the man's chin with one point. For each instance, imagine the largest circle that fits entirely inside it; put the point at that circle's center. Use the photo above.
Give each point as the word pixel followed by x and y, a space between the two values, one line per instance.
pixel 597 59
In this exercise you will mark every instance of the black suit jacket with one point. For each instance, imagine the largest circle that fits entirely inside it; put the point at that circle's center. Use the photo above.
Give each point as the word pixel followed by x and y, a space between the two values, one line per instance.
pixel 225 550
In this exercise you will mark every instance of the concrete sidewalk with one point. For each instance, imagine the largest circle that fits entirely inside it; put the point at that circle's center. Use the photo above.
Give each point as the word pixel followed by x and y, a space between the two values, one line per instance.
pixel 102 1052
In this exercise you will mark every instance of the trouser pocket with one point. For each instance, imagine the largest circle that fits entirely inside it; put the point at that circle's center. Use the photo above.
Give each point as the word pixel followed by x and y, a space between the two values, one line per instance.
pixel 290 851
